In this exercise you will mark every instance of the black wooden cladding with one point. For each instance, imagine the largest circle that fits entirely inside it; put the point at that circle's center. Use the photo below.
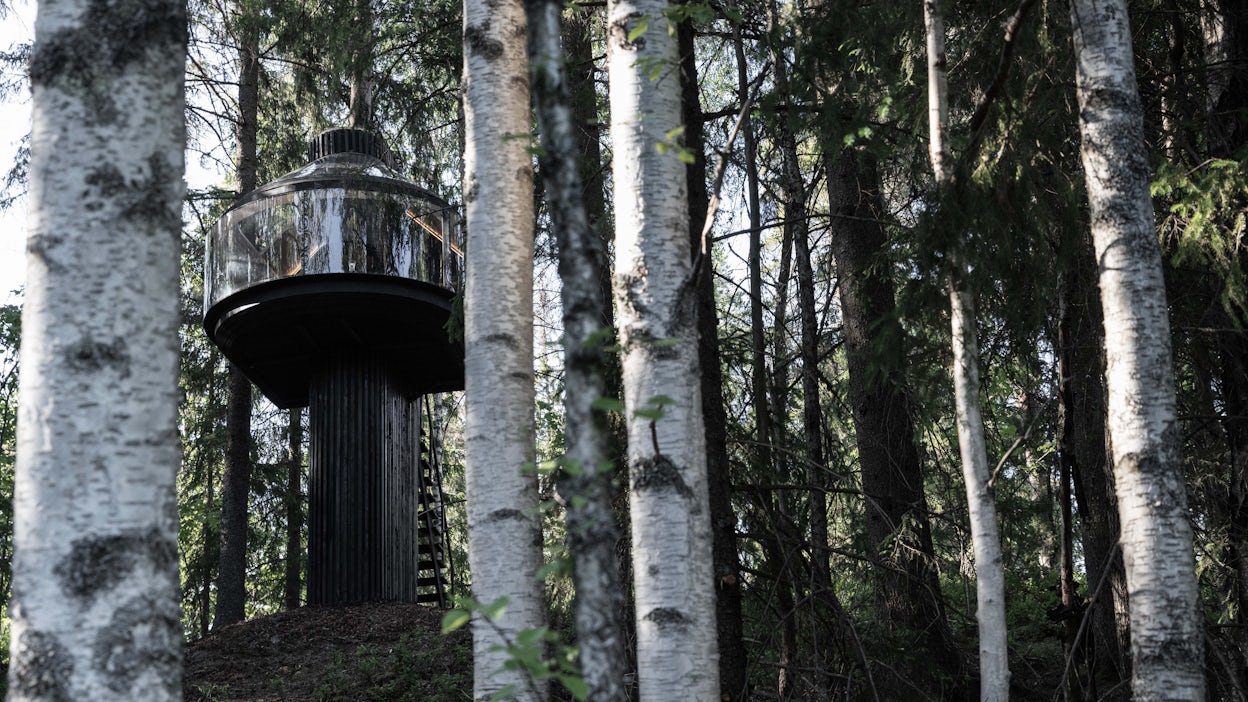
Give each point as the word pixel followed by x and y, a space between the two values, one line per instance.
pixel 374 520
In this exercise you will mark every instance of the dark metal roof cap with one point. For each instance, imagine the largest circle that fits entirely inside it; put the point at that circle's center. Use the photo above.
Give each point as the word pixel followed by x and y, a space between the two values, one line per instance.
pixel 358 141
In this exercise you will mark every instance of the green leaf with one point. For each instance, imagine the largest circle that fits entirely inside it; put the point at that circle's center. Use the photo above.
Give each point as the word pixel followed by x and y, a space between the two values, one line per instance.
pixel 495 609
pixel 608 404
pixel 654 414
pixel 454 619
pixel 643 23
pixel 578 687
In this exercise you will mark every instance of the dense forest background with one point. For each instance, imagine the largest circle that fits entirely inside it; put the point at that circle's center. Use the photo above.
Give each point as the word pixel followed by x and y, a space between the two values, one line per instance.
pixel 832 436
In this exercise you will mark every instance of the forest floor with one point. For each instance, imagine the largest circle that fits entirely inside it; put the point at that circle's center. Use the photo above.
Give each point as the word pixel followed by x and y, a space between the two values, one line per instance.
pixel 383 652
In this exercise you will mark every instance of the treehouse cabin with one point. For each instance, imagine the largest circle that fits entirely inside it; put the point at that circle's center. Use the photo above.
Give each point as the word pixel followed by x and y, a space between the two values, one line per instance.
pixel 331 288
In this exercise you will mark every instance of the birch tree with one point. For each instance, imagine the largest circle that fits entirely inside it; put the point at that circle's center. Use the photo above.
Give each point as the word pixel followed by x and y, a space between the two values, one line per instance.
pixel 95 594
pixel 655 299
pixel 1166 624
pixel 994 670
pixel 504 534
pixel 586 480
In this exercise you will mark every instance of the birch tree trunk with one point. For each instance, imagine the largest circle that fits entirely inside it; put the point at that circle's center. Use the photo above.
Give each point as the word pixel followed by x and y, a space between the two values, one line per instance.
pixel 586 480
pixel 96 594
pixel 994 670
pixel 1166 624
pixel 655 299
pixel 504 532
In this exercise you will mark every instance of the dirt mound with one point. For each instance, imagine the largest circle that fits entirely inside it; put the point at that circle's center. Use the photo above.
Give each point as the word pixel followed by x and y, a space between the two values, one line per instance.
pixel 384 652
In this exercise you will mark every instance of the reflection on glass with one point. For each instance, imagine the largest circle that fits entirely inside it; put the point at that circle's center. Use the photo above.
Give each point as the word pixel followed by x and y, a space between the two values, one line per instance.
pixel 334 230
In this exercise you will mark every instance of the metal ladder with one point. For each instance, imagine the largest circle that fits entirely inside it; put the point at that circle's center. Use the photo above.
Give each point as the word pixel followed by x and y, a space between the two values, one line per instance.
pixel 435 569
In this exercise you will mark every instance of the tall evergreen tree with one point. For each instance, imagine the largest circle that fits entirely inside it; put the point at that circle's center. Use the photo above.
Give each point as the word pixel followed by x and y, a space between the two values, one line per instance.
pixel 236 485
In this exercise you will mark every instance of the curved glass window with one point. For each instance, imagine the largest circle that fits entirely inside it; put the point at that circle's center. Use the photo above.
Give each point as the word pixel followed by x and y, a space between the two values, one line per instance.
pixel 341 214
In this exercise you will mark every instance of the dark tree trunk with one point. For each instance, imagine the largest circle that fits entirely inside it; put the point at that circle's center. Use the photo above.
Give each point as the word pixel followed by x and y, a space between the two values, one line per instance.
pixel 293 585
pixel 733 662
pixel 828 613
pixel 235 490
pixel 236 486
pixel 892 475
pixel 360 108
pixel 1083 411
pixel 1082 684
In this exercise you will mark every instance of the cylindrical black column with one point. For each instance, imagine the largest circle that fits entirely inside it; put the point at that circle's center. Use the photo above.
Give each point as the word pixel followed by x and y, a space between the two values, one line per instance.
pixel 364 456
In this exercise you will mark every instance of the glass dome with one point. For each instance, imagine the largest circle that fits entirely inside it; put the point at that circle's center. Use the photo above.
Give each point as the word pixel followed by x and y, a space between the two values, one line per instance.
pixel 343 213
pixel 340 256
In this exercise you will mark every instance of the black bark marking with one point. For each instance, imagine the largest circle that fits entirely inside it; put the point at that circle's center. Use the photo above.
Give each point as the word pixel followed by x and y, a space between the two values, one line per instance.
pixel 42 245
pixel 144 200
pixel 667 618
pixel 41 668
pixel 110 36
pixel 142 635
pixel 659 473
pixel 479 42
pixel 621 29
pixel 499 515
pixel 88 356
pixel 508 340
pixel 96 564
pixel 634 286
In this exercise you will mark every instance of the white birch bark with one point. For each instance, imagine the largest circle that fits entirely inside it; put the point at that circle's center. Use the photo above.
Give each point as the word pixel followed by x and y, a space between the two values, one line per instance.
pixel 994 669
pixel 95 603
pixel 1166 624
pixel 504 534
pixel 655 312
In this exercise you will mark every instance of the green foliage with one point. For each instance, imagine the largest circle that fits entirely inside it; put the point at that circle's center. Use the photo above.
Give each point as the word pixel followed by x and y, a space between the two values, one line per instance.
pixel 10 342
pixel 529 651
pixel 1204 225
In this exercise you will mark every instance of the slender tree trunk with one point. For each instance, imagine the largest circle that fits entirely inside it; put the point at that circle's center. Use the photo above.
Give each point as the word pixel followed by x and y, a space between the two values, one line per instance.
pixel 827 638
pixel 95 608
pixel 293 581
pixel 504 533
pixel 360 108
pixel 733 657
pixel 236 485
pixel 1083 411
pixel 583 27
pixel 235 491
pixel 1166 624
pixel 656 307
pixel 778 564
pixel 1070 611
pixel 994 670
pixel 211 544
pixel 586 479
pixel 892 476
